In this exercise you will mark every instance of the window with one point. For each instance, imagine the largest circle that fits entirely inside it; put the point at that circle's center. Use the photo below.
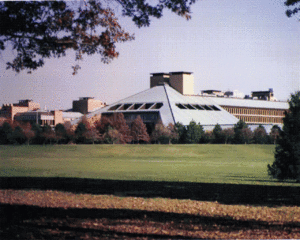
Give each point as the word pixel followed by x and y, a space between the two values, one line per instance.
pixel 215 108
pixel 179 105
pixel 206 107
pixel 157 106
pixel 189 106
pixel 115 107
pixel 197 107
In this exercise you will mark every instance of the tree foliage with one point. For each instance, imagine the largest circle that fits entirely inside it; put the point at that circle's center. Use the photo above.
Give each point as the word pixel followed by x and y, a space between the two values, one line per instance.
pixel 287 153
pixel 139 131
pixel 260 135
pixel 217 134
pixel 17 136
pixel 5 130
pixel 274 134
pixel 295 7
pixel 117 122
pixel 181 130
pixel 228 134
pixel 28 132
pixel 38 30
pixel 164 134
pixel 239 133
pixel 194 132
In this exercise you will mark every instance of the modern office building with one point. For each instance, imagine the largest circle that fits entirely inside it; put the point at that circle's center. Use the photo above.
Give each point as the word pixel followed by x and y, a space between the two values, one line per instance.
pixel 171 99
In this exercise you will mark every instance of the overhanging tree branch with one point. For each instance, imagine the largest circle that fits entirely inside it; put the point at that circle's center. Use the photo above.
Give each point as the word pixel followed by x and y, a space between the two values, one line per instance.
pixel 44 29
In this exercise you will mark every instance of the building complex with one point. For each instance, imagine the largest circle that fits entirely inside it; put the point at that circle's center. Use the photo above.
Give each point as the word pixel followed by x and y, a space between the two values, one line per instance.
pixel 170 99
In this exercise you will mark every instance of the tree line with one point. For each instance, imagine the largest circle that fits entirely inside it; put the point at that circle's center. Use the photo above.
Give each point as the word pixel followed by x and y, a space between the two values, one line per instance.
pixel 114 130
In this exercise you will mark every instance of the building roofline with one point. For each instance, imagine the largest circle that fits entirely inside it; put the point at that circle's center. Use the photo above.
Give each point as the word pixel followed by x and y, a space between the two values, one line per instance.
pixel 177 73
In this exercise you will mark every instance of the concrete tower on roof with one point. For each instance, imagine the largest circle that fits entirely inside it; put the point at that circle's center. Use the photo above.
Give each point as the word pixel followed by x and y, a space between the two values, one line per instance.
pixel 87 104
pixel 183 82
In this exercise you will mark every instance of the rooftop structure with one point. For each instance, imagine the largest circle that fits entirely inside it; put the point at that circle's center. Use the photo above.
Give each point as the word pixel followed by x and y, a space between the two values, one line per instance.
pixel 87 104
pixel 183 82
pixel 213 92
pixel 264 95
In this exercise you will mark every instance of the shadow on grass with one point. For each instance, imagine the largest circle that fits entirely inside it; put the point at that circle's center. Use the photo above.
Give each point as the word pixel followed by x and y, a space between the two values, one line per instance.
pixel 20 220
pixel 223 193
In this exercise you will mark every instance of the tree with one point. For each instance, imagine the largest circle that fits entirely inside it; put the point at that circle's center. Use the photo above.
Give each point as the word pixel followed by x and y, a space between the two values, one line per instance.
pixel 164 134
pixel 28 132
pixel 260 135
pixel 5 131
pixel 238 135
pixel 103 124
pixel 287 153
pixel 174 136
pixel 42 29
pixel 38 131
pixel 274 134
pixel 48 134
pixel 246 135
pixel 70 132
pixel 17 136
pixel 194 132
pixel 79 132
pixel 112 136
pixel 60 132
pixel 119 123
pixel 228 135
pixel 181 130
pixel 217 134
pixel 207 137
pixel 161 133
pixel 91 135
pixel 295 9
pixel 139 130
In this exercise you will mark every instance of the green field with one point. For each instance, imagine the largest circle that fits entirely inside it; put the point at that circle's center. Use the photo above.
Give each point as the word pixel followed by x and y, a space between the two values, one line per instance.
pixel 242 164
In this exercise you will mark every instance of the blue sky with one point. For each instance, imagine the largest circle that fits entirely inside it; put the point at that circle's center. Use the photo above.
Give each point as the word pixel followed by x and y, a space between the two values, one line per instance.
pixel 228 45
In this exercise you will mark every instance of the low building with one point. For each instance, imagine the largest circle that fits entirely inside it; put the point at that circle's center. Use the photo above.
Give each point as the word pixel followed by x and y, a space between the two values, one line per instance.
pixel 41 117
pixel 8 111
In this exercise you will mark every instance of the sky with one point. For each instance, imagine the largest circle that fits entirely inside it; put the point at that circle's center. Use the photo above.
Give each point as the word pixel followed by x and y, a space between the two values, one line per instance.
pixel 228 45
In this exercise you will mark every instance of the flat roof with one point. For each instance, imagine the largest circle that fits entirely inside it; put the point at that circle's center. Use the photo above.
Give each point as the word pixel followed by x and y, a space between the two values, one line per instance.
pixel 176 73
pixel 158 74
pixel 170 73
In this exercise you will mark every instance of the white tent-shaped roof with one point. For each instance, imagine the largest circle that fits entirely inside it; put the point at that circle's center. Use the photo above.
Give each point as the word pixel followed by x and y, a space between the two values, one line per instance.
pixel 172 107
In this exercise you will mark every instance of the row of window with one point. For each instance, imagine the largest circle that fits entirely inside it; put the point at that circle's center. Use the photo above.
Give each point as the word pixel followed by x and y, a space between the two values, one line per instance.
pixel 260 119
pixel 197 107
pixel 254 111
pixel 135 106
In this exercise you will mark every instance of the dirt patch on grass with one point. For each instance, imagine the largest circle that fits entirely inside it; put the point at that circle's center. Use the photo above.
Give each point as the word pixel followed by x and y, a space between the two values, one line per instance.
pixel 34 214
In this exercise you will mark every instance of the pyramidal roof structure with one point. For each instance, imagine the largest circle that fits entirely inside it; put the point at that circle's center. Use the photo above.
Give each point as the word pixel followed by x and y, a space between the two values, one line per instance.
pixel 164 103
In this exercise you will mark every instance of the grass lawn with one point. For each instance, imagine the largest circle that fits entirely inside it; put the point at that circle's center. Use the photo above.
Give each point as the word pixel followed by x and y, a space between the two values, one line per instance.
pixel 35 214
pixel 241 164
